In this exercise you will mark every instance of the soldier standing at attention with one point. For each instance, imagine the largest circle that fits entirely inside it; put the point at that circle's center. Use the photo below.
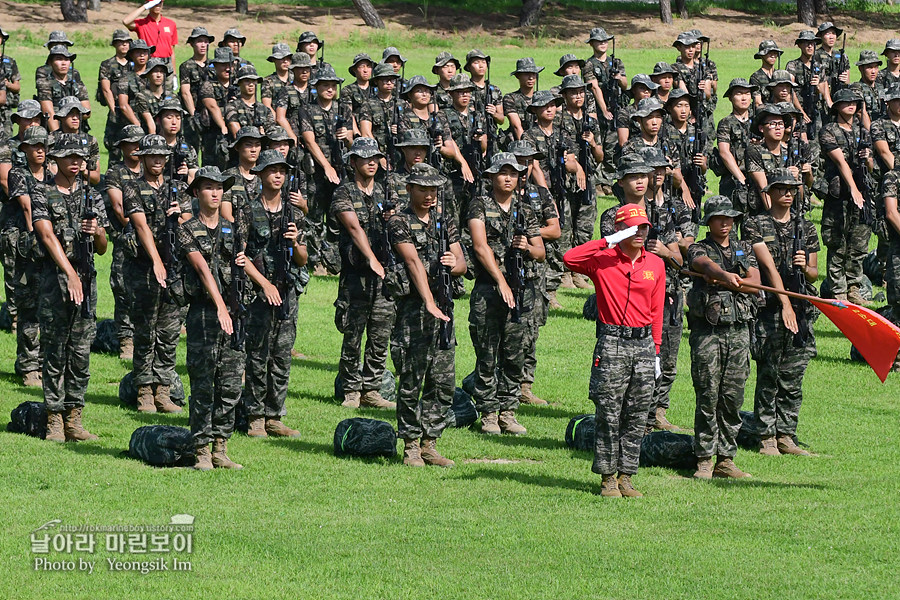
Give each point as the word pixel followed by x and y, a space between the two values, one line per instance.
pixel 246 149
pixel 732 139
pixel 214 96
pixel 488 100
pixel 869 87
pixel 59 84
pixel 11 82
pixel 767 54
pixel 280 78
pixel 71 116
pixel 631 287
pixel 67 311
pixel 193 73
pixel 356 95
pixel 131 83
pixel 445 67
pixel 424 358
pixel 111 70
pixel 244 110
pixel 515 104
pixel 719 319
pixel 502 226
pixel 154 92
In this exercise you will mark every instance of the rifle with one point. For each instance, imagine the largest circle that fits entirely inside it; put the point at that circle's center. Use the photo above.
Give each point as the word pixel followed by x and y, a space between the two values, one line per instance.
pixel 810 98
pixel 694 176
pixel 612 86
pixel 167 249
pixel 434 131
pixel 283 278
pixel 558 176
pixel 584 157
pixel 444 292
pixel 861 177
pixel 489 123
pixel 86 270
pixel 843 64
pixel 796 282
pixel 337 149
pixel 515 260
pixel 236 306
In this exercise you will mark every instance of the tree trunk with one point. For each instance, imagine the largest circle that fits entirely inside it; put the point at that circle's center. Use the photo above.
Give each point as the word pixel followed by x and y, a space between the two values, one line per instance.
pixel 806 12
pixel 681 8
pixel 74 11
pixel 822 7
pixel 94 5
pixel 531 12
pixel 665 11
pixel 240 6
pixel 368 13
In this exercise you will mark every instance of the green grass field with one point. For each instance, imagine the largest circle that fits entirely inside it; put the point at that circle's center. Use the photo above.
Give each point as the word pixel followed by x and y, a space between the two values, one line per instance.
pixel 299 523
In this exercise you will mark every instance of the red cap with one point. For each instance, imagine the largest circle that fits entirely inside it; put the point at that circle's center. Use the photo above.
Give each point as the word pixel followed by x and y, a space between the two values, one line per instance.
pixel 632 214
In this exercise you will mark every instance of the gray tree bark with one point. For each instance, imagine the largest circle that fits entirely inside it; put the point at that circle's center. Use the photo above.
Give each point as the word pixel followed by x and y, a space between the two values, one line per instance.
pixel 74 11
pixel 368 13
pixel 806 12
pixel 665 11
pixel 681 8
pixel 531 12
pixel 240 6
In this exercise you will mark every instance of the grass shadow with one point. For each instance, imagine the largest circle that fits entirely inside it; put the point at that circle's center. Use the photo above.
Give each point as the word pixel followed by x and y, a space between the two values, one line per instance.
pixel 523 440
pixel 89 448
pixel 317 365
pixel 323 398
pixel 302 446
pixel 526 478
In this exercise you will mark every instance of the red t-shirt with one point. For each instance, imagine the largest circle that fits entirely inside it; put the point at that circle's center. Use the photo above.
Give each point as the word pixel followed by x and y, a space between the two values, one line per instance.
pixel 627 294
pixel 163 35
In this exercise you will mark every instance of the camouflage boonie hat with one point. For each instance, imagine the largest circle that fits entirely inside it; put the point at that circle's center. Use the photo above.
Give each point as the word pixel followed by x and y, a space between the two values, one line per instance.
pixel 766 110
pixel 269 158
pixel 653 156
pixel 779 77
pixel 807 35
pixel 826 26
pixel 868 57
pixel 300 60
pixel 324 74
pixel 789 110
pixel 120 35
pixel 599 34
pixel 169 103
pixel 572 82
pixel 277 133
pixel 61 50
pixel 566 59
pixel 58 37
pixel 70 144
pixel 781 178
pixel 28 109
pixel 34 136
pixel 526 65
pixel 222 56
pixel 413 137
pixel 891 44
pixel 130 133
pixel 383 70
pixel 699 35
pixel 892 93
pixel 524 149
pixel 739 82
pixel 245 133
pixel 474 54
pixel 767 46
pixel 307 37
pixel 233 33
pixel 211 173
pixel 157 63
pixel 632 164
pixel 67 105
pixel 279 51
pixel 391 51
pixel 542 98
pixel 200 32
pixel 361 57
pixel 413 82
pixel 719 206
pixel 646 107
pixel 442 59
pixel 460 82
pixel 677 94
pixel 363 147
pixel 644 80
pixel 685 38
pixel 153 145
pixel 503 159
pixel 248 72
pixel 663 68
pixel 140 44
pixel 425 175
pixel 844 95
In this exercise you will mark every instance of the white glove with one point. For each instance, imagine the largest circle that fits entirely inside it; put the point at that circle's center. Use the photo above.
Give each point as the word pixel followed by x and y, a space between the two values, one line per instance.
pixel 618 236
pixel 150 4
pixel 658 368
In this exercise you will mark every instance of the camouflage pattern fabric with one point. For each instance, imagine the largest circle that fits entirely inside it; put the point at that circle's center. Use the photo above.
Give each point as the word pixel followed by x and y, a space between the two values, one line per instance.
pixel 162 446
pixel 673 327
pixel 106 341
pixel 462 412
pixel 388 389
pixel 365 438
pixel 268 365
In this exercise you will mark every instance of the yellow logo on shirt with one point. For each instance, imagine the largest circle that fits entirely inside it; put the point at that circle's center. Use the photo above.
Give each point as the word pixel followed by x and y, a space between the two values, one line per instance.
pixel 649 275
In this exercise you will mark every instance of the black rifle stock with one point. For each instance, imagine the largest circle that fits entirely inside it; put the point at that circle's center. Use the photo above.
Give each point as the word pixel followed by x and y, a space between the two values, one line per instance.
pixel 86 271
pixel 236 306
pixel 444 290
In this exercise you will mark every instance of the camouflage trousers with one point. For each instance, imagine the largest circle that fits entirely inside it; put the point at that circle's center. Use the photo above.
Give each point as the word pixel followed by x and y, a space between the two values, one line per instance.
pixel 110 136
pixel 720 365
pixel 215 149
pixel 122 303
pixel 673 326
pixel 321 192
pixel 847 241
pixel 9 287
pixel 499 347
pixel 606 171
pixel 66 339
pixel 361 307
pixel 538 319
pixel 215 370
pixel 779 374
pixel 27 295
pixel 269 344
pixel 583 217
pixel 423 369
pixel 157 325
pixel 621 388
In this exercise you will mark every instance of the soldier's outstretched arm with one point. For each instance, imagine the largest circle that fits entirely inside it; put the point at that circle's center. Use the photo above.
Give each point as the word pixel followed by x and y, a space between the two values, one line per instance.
pixel 44 230
pixel 199 264
pixel 419 278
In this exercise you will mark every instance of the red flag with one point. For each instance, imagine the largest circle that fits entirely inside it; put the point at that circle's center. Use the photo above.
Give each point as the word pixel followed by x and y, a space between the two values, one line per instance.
pixel 876 338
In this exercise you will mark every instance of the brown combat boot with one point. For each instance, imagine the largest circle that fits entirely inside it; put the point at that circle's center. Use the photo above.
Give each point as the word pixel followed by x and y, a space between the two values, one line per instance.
pixel 704 468
pixel 126 349
pixel 526 396
pixel 661 422
pixel 275 427
pixel 351 399
pixel 204 459
pixel 373 399
pixel 856 298
pixel 489 423
pixel 220 459
pixel 412 454
pixel 163 400
pixel 554 302
pixel 431 456
pixel 566 282
pixel 626 488
pixel 256 427
pixel 609 488
pixel 786 445
pixel 725 467
pixel 582 282
pixel 31 379
pixel 145 399
pixel 767 446
pixel 74 430
pixel 508 423
pixel 55 427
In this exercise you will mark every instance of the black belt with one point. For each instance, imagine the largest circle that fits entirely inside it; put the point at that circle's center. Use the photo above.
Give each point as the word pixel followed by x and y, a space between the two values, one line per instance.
pixel 624 331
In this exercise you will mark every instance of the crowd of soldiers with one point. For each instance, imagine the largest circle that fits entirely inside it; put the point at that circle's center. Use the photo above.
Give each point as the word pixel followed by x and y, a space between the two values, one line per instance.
pixel 402 188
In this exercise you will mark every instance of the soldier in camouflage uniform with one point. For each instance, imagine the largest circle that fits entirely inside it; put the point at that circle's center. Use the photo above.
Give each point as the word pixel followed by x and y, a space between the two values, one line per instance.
pixel 664 75
pixel 469 137
pixel 844 229
pixel 272 321
pixel 288 105
pixel 151 204
pixel 423 357
pixel 355 95
pixel 192 74
pixel 111 70
pixel 642 88
pixel 768 54
pixel 445 67
pixel 569 64
pixel 732 139
pixel 18 239
pixel 890 195
pixel 11 82
pixel 607 80
pixel 310 44
pixel 391 56
pixel 890 75
pixel 169 117
pixel 71 117
pixel 869 87
pixel 244 110
pixel 485 99
pixel 234 40
pixel 807 74
pixel 214 97
pixel 272 84
pixel 129 85
pixel 414 147
pixel 363 304
pixel 502 225
pixel 59 84
pixel 784 342
pixel 766 155
pixel 121 233
pixel 800 153
pixel 701 86
pixel 45 70
pixel 836 73
pixel 215 365
pixel 66 314
pixel 246 148
pixel 146 104
pixel 781 88
pixel 379 114
pixel 681 134
pixel 719 319
pixel 515 104
pixel 886 132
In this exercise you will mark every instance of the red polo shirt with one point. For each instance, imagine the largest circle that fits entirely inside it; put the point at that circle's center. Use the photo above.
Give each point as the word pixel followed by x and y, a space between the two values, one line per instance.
pixel 163 35
pixel 627 294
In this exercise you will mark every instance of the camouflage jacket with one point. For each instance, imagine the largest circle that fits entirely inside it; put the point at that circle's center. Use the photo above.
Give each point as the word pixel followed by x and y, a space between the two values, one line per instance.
pixel 140 196
pixel 872 96
pixel 884 130
pixel 117 177
pixel 368 208
pixel 294 101
pixel 64 212
pixel 517 103
pixel 194 74
pixel 264 237
pixel 551 146
pixel 246 115
pixel 216 246
pixel 736 134
pixel 111 70
pixel 323 123
pixel 21 183
pixel 354 97
pixel 272 85
pixel 499 227
pixel 242 191
pixel 55 90
pixel 779 239
pixel 380 114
